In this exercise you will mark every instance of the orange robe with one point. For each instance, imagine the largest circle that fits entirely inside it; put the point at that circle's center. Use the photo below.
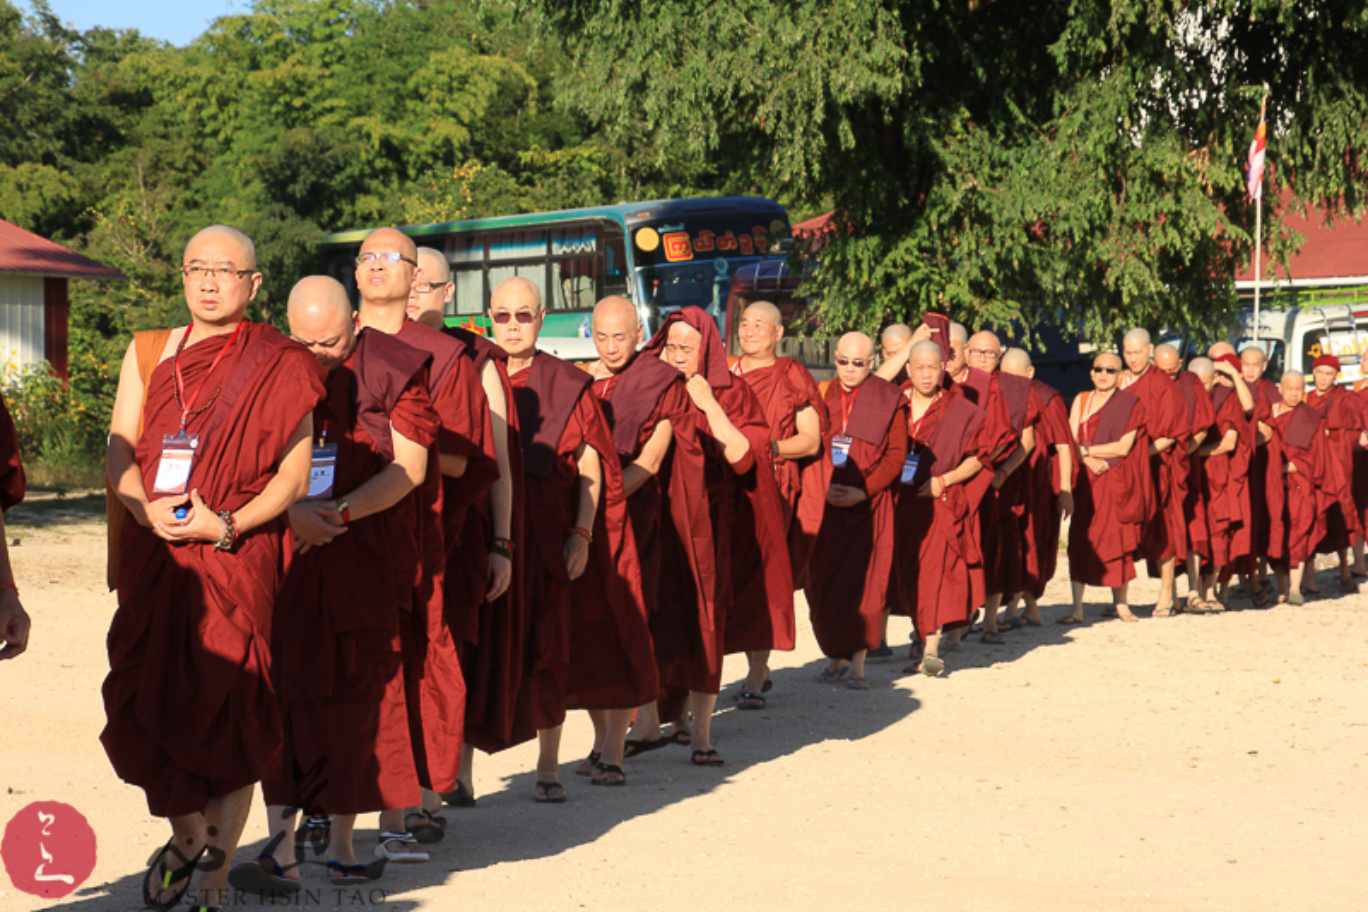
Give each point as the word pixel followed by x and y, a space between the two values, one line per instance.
pixel 336 651
pixel 191 712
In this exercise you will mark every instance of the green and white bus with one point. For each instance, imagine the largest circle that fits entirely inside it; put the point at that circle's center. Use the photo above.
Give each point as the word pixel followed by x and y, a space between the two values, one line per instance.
pixel 662 255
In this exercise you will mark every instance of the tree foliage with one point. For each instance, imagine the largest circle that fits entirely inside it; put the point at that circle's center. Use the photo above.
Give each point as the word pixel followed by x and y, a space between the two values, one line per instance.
pixel 1071 161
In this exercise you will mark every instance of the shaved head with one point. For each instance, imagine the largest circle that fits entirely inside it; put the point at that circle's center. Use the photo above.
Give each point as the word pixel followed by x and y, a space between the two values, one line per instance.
pixel 1016 361
pixel 984 350
pixel 1168 360
pixel 856 344
pixel 321 319
pixel 617 330
pixel 854 347
pixel 1220 348
pixel 1138 351
pixel 434 264
pixel 1292 388
pixel 1296 377
pixel 516 289
pixel 895 335
pixel 1204 368
pixel 924 368
pixel 381 282
pixel 959 334
pixel 1137 336
pixel 390 239
pixel 766 310
pixel 246 258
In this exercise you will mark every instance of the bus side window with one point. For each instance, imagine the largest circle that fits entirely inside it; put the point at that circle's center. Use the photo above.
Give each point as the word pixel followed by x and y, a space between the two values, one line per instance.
pixel 469 297
pixel 577 283
pixel 616 271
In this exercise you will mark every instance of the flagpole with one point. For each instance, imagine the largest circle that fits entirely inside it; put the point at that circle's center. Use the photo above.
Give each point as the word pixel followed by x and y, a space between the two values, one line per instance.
pixel 1258 258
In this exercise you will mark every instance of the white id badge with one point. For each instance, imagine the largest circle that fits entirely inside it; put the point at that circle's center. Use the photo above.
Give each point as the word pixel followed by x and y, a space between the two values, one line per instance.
pixel 840 450
pixel 909 470
pixel 173 468
pixel 321 470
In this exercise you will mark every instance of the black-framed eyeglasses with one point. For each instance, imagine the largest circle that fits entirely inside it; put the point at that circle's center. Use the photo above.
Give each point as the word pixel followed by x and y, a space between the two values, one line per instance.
pixel 383 256
pixel 221 273
pixel 981 352
pixel 503 316
pixel 842 361
pixel 1106 370
pixel 430 287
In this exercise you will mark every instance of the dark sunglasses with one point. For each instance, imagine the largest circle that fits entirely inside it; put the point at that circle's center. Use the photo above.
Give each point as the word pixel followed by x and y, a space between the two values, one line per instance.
pixel 857 362
pixel 1106 370
pixel 524 317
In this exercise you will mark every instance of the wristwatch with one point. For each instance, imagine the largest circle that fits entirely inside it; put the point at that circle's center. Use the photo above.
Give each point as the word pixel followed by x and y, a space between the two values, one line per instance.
pixel 344 511
pixel 1083 449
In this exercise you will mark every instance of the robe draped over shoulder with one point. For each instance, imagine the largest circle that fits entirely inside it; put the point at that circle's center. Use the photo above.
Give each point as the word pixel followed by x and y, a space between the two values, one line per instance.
pixel 1165 533
pixel 191 711
pixel 1043 515
pixel 1300 434
pixel 336 650
pixel 848 574
pixel 1343 424
pixel 1109 509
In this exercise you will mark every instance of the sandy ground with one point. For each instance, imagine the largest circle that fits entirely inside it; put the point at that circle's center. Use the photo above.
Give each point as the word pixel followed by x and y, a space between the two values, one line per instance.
pixel 1198 763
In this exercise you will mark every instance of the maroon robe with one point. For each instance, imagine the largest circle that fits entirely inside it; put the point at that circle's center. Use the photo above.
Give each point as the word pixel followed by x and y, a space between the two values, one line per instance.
pixel 849 571
pixel 784 389
pixel 12 480
pixel 670 518
pixel 1343 424
pixel 435 686
pixel 1043 515
pixel 190 707
pixel 754 593
pixel 980 389
pixel 1265 501
pixel 1300 434
pixel 336 654
pixel 1360 485
pixel 935 545
pixel 1004 544
pixel 1201 418
pixel 1109 509
pixel 1223 482
pixel 591 641
pixel 1165 533
pixel 491 637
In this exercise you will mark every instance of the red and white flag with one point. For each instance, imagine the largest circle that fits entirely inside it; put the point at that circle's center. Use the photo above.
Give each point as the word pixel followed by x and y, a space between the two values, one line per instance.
pixel 1256 155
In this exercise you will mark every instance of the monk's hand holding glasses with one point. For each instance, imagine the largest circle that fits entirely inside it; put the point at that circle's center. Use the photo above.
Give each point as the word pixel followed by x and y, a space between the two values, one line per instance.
pixel 315 523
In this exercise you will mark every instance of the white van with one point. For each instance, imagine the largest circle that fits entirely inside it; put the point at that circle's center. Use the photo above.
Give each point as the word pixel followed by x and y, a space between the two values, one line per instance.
pixel 1295 337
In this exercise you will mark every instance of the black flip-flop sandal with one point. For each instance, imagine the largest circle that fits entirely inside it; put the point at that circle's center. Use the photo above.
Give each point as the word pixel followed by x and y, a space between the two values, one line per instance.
pixel 767 686
pixel 544 795
pixel 592 760
pixel 682 738
pixel 169 878
pixel 433 832
pixel 347 875
pixel 749 701
pixel 706 758
pixel 461 797
pixel 314 835
pixel 608 769
pixel 259 881
pixel 644 746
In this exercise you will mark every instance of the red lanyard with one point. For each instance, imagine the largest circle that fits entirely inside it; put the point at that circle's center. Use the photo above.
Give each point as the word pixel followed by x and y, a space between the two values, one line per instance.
pixel 916 426
pixel 188 407
pixel 846 407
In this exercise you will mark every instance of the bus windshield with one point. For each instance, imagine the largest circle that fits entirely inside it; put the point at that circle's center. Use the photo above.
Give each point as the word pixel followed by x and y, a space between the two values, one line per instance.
pixel 706 284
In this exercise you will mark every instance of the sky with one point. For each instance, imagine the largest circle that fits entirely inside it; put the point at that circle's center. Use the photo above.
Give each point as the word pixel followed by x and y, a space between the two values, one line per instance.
pixel 176 21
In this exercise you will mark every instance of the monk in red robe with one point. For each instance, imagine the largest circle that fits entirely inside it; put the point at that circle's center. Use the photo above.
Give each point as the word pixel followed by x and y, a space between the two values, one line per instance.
pixel 486 614
pixel 655 431
pixel 592 645
pixel 205 459
pixel 1050 475
pixel 934 543
pixel 459 471
pixel 14 621
pixel 1200 417
pixel 1343 426
pixel 1265 503
pixel 1299 431
pixel 863 456
pixel 1007 578
pixel 797 418
pixel 1220 475
pixel 753 595
pixel 336 655
pixel 1163 541
pixel 1109 500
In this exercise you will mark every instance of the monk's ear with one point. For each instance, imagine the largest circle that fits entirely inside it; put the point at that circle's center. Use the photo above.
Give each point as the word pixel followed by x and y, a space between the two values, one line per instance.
pixel 1030 372
pixel 778 332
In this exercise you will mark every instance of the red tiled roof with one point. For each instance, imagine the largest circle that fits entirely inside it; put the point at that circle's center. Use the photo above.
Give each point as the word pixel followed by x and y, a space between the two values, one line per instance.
pixel 1327 253
pixel 817 227
pixel 23 251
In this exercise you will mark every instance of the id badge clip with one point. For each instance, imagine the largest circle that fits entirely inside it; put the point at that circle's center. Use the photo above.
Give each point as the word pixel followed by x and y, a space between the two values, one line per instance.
pixel 909 469
pixel 177 459
pixel 840 450
pixel 322 469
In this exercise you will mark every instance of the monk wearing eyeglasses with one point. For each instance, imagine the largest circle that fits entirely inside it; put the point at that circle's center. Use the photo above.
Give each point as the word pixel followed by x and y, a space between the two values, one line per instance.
pixel 460 469
pixel 863 456
pixel 208 447
pixel 484 611
pixel 1109 500
pixel 590 639
pixel 753 595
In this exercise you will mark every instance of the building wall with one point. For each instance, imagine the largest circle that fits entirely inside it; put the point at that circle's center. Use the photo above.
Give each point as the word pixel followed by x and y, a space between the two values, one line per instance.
pixel 21 321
